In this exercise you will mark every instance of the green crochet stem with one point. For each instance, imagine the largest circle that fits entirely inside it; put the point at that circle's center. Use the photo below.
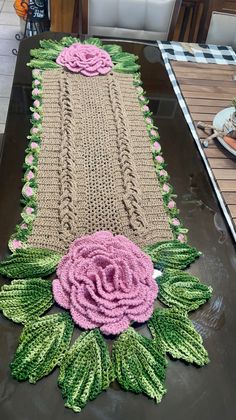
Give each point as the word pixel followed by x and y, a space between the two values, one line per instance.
pixel 140 366
pixel 86 370
pixel 25 300
pixel 182 290
pixel 45 57
pixel 42 346
pixel 172 254
pixel 30 263
pixel 175 333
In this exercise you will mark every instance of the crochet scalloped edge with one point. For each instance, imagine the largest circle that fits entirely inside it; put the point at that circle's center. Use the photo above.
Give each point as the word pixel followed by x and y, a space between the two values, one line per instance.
pixel 23 230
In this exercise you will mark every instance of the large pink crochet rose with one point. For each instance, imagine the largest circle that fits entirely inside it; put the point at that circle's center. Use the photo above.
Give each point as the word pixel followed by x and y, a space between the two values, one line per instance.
pixel 88 60
pixel 106 282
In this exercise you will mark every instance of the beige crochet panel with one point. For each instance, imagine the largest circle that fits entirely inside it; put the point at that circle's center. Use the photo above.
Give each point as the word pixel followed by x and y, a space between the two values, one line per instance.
pixel 95 168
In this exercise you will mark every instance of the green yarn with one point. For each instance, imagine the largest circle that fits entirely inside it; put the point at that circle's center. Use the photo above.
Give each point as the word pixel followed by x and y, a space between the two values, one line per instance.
pixel 93 41
pixel 86 370
pixel 112 49
pixel 42 346
pixel 172 254
pixel 127 67
pixel 25 300
pixel 67 41
pixel 173 330
pixel 182 290
pixel 43 54
pixel 30 263
pixel 43 64
pixel 49 44
pixel 139 365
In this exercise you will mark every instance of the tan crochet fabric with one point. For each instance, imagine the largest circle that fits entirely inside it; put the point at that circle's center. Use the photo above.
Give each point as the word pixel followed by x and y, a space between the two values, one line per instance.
pixel 95 169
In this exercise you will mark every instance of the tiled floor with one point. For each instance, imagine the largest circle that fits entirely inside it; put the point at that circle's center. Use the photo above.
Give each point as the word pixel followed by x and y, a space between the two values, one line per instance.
pixel 9 26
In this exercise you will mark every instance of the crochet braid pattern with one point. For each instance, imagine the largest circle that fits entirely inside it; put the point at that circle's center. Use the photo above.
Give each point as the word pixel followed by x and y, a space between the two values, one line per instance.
pixel 96 190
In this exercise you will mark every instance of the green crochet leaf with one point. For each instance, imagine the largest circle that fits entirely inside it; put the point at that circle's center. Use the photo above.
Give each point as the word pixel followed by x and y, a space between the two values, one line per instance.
pixel 126 67
pixel 42 346
pixel 67 41
pixel 175 333
pixel 49 44
pixel 42 64
pixel 124 57
pixel 181 290
pixel 25 300
pixel 43 54
pixel 139 365
pixel 172 254
pixel 30 263
pixel 93 41
pixel 86 370
pixel 112 49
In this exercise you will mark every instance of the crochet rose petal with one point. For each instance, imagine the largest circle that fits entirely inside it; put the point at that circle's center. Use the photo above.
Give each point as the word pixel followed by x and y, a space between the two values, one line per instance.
pixel 85 59
pixel 106 282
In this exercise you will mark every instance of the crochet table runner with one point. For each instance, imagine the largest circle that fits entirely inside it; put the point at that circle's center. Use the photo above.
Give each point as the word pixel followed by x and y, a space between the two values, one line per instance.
pixel 99 216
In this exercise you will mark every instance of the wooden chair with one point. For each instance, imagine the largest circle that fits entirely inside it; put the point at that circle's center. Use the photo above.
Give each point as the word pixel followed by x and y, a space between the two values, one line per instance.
pixel 133 25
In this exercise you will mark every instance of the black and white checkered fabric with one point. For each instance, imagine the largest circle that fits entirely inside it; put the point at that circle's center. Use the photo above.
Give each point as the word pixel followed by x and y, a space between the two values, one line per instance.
pixel 197 53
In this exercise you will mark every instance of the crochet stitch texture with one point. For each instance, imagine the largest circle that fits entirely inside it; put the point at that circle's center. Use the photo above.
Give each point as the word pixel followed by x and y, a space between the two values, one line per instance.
pixel 106 282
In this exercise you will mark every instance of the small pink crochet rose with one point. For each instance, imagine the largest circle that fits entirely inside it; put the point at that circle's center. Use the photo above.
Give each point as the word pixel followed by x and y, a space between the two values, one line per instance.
pixel 36 116
pixel 29 210
pixel 159 159
pixel 30 175
pixel 36 72
pixel 28 191
pixel 36 103
pixel 29 159
pixel 157 146
pixel 171 204
pixel 35 91
pixel 163 172
pixel 146 108
pixel 34 130
pixel 106 282
pixel 34 145
pixel 23 226
pixel 148 120
pixel 36 82
pixel 181 238
pixel 88 60
pixel 16 244
pixel 166 188
pixel 175 222
pixel 153 133
pixel 142 98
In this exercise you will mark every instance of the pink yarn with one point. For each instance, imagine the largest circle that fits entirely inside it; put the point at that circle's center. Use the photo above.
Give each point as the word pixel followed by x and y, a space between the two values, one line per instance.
pixel 181 238
pixel 35 91
pixel 34 145
pixel 148 120
pixel 163 172
pixel 29 210
pixel 86 59
pixel 36 82
pixel 30 175
pixel 30 159
pixel 36 103
pixel 28 191
pixel 106 282
pixel 159 159
pixel 156 145
pixel 153 133
pixel 171 204
pixel 175 222
pixel 16 244
pixel 146 108
pixel 36 116
pixel 166 188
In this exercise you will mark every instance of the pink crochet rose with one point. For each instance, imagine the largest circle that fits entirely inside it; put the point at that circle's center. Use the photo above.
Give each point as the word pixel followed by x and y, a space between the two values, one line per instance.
pixel 88 60
pixel 106 282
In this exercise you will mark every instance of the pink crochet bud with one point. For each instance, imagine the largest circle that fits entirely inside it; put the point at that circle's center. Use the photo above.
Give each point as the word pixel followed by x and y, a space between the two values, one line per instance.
pixel 157 146
pixel 23 226
pixel 36 116
pixel 153 133
pixel 171 204
pixel 146 108
pixel 36 82
pixel 181 238
pixel 29 159
pixel 30 175
pixel 166 188
pixel 159 159
pixel 36 72
pixel 34 145
pixel 28 191
pixel 36 103
pixel 163 172
pixel 35 91
pixel 16 244
pixel 29 210
pixel 175 222
pixel 148 120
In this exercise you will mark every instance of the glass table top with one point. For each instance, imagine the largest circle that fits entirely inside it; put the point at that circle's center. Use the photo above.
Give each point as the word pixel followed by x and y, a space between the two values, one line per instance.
pixel 192 393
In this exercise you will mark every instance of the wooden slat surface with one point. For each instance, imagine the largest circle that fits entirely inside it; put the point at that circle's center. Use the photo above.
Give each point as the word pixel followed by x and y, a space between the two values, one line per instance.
pixel 208 88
